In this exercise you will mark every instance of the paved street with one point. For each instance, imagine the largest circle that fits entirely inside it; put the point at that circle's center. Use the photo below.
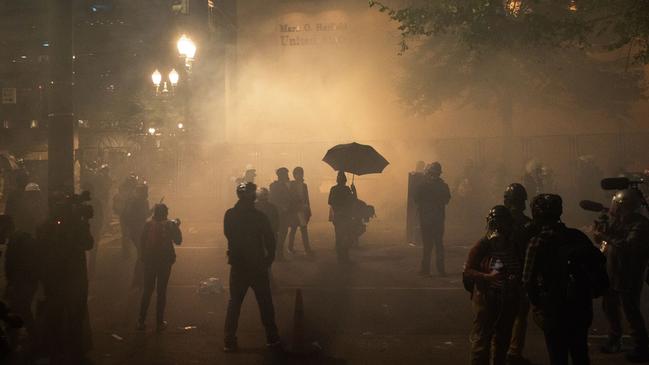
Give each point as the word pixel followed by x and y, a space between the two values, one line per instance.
pixel 377 311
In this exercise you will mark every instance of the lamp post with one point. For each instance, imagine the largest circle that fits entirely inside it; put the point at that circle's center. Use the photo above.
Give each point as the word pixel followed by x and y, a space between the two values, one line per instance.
pixel 186 48
pixel 156 77
pixel 173 78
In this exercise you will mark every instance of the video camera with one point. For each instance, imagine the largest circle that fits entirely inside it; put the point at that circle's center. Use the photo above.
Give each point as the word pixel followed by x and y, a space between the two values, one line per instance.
pixel 623 183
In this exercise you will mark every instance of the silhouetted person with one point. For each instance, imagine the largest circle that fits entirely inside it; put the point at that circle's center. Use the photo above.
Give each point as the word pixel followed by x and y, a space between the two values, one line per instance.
pixel 136 214
pixel 515 199
pixel 431 198
pixel 14 196
pixel 10 320
pixel 269 209
pixel 125 192
pixel 96 226
pixel 415 178
pixel 533 177
pixel 251 252
pixel 23 272
pixel 300 211
pixel 563 273
pixel 495 268
pixel 627 253
pixel 64 239
pixel 30 209
pixel 341 200
pixel 280 196
pixel 157 255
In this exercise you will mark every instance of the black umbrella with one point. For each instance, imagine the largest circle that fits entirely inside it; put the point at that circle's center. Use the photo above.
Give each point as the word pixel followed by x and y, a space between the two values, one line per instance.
pixel 357 159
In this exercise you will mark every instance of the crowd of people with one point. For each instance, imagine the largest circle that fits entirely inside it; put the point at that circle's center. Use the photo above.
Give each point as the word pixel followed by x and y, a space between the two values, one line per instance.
pixel 520 265
pixel 539 263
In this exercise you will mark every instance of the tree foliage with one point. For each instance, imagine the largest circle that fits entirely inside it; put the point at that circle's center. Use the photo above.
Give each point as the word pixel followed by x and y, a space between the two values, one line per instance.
pixel 612 24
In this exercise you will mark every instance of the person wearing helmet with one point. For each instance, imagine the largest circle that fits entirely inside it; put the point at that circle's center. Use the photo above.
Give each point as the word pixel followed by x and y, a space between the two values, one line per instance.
pixel 157 255
pixel 251 252
pixel 431 198
pixel 515 200
pixel 280 196
pixel 494 269
pixel 562 274
pixel 627 252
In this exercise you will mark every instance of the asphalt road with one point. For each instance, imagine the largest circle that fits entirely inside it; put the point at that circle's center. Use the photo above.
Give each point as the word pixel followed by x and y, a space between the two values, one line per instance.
pixel 376 311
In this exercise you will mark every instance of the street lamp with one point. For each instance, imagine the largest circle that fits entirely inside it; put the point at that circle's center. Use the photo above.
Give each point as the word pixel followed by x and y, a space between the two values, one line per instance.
pixel 156 77
pixel 173 77
pixel 186 48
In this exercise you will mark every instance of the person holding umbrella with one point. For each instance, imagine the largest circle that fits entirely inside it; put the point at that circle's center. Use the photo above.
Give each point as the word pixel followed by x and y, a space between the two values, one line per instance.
pixel 356 159
pixel 341 200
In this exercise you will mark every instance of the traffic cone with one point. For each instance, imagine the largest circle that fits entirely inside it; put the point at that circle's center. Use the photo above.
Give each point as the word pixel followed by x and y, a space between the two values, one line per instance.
pixel 298 324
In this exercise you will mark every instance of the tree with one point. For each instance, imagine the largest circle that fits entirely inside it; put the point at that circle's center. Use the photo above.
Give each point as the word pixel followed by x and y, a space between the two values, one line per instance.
pixel 490 54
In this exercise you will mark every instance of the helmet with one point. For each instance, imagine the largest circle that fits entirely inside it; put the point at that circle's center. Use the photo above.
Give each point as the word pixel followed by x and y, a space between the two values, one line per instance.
pixel 515 195
pixel 32 187
pixel 499 218
pixel 262 194
pixel 160 211
pixel 246 190
pixel 434 168
pixel 625 201
pixel 547 208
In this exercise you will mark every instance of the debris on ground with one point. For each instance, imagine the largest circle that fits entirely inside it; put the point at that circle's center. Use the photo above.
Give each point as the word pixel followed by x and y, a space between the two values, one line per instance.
pixel 210 286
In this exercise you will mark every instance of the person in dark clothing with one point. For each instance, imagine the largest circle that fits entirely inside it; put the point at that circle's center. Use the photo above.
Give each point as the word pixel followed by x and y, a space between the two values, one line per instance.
pixel 30 209
pixel 9 322
pixel 64 239
pixel 495 268
pixel 265 206
pixel 136 213
pixel 15 195
pixel 22 271
pixel 96 226
pixel 415 178
pixel 626 246
pixel 300 211
pixel 341 201
pixel 125 193
pixel 280 196
pixel 563 272
pixel 515 198
pixel 432 197
pixel 251 252
pixel 158 255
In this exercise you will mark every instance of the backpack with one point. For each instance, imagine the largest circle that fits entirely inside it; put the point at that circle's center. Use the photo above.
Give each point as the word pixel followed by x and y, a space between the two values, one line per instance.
pixel 579 271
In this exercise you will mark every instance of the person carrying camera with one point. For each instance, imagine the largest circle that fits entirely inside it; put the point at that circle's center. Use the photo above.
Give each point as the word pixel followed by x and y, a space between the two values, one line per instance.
pixel 625 244
pixel 157 255
pixel 493 274
pixel 562 274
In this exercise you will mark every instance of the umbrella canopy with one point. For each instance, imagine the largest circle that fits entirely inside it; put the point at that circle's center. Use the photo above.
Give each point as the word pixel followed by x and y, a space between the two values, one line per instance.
pixel 355 158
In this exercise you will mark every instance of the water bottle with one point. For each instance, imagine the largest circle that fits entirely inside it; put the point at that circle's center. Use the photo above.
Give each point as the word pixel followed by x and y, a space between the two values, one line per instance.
pixel 497 265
